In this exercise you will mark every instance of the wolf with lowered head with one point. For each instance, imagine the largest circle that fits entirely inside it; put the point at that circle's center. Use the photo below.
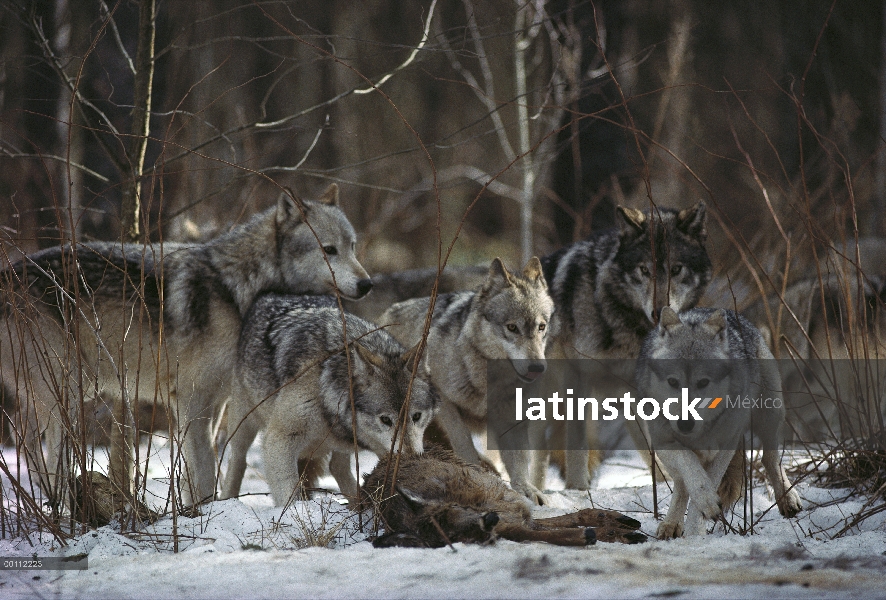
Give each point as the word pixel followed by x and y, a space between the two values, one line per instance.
pixel 294 381
pixel 706 352
pixel 506 318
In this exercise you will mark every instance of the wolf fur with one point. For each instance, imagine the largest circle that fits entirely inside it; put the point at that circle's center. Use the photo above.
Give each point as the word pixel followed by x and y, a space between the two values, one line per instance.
pixel 442 499
pixel 158 324
pixel 681 352
pixel 835 313
pixel 607 291
pixel 292 381
pixel 390 288
pixel 506 318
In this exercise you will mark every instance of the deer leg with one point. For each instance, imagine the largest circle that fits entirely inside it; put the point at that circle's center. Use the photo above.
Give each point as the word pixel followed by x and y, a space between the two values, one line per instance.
pixel 611 526
pixel 558 537
pixel 590 517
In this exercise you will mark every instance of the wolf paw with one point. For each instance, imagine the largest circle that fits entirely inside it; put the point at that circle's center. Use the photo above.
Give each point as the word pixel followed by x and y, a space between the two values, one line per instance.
pixel 789 504
pixel 530 491
pixel 707 503
pixel 669 530
pixel 729 489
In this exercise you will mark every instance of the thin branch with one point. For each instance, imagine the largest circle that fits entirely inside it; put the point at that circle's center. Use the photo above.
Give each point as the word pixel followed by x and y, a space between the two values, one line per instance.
pixel 408 61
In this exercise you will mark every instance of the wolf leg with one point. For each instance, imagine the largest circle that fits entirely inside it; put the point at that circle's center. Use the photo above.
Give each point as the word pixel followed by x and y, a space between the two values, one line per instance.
pixel 340 467
pixel 729 489
pixel 195 435
pixel 540 461
pixel 242 430
pixel 281 450
pixel 458 433
pixel 786 497
pixel 517 465
pixel 698 513
pixel 689 478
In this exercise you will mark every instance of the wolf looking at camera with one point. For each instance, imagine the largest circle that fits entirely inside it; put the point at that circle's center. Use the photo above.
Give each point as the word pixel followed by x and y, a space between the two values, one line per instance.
pixel 607 290
pixel 293 381
pixel 157 324
pixel 711 352
pixel 506 318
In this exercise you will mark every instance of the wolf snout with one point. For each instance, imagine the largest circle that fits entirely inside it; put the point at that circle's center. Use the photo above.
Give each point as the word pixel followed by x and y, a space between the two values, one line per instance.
pixel 364 286
pixel 686 427
pixel 529 369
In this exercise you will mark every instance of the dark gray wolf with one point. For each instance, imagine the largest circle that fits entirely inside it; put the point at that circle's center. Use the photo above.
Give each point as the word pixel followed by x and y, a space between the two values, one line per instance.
pixel 710 352
pixel 157 324
pixel 292 380
pixel 439 499
pixel 506 318
pixel 607 290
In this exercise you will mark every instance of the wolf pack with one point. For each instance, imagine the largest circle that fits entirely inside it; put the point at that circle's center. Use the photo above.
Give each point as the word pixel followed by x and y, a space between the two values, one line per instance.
pixel 260 330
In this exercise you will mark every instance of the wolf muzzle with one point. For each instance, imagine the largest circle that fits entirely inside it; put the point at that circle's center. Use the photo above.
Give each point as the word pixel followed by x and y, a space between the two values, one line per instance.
pixel 364 286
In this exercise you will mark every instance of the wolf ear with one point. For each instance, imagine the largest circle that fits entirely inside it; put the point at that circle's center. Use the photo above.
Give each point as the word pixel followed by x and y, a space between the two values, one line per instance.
pixel 409 357
pixel 669 319
pixel 716 323
pixel 289 206
pixel 691 221
pixel 498 275
pixel 330 196
pixel 630 220
pixel 370 358
pixel 533 270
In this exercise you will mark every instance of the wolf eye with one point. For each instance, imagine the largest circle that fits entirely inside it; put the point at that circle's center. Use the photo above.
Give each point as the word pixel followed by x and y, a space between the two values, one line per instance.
pixel 512 328
pixel 330 250
pixel 542 327
pixel 675 270
pixel 644 269
pixel 386 420
pixel 673 382
pixel 353 246
pixel 702 383
pixel 416 417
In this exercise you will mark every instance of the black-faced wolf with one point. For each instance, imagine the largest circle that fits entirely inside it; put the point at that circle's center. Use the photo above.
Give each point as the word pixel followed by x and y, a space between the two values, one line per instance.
pixel 506 318
pixel 707 352
pixel 157 324
pixel 294 381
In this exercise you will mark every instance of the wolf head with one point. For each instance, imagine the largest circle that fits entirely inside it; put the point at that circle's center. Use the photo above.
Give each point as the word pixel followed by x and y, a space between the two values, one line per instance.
pixel 692 351
pixel 381 381
pixel 515 313
pixel 660 260
pixel 304 255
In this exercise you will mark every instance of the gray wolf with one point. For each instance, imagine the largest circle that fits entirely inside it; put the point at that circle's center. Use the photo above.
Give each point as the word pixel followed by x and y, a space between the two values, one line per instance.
pixel 292 380
pixel 608 289
pixel 835 313
pixel 158 324
pixel 390 288
pixel 506 318
pixel 439 499
pixel 710 352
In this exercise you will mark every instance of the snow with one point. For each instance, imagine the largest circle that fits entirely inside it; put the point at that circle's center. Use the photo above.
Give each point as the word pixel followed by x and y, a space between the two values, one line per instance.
pixel 246 548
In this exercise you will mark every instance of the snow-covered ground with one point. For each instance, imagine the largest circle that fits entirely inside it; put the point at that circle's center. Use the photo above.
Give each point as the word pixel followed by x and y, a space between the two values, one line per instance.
pixel 248 549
